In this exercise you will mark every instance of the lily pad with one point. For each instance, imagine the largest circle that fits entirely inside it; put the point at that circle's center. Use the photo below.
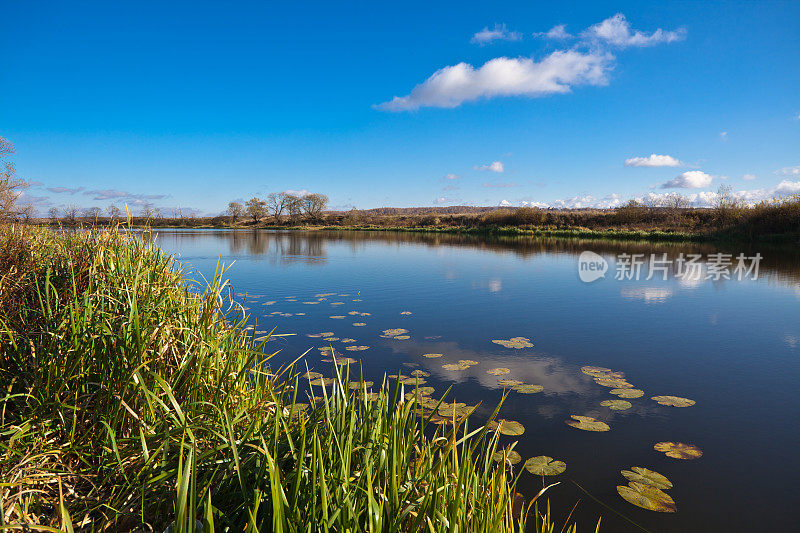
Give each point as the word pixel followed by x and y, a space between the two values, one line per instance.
pixel 357 386
pixel 507 427
pixel 500 371
pixel 348 340
pixel 545 466
pixel 595 371
pixel 616 405
pixel 402 337
pixel 674 401
pixel 393 332
pixel 405 312
pixel 647 497
pixel 627 393
pixel 515 342
pixel 648 477
pixel 338 317
pixel 613 383
pixel 359 324
pixel 587 423
pixel 510 455
pixel 355 348
pixel 312 375
pixel 452 367
pixel 527 388
pixel 509 382
pixel 679 450
pixel 432 355
pixel 310 303
pixel 331 339
pixel 322 382
pixel 466 363
pixel 421 373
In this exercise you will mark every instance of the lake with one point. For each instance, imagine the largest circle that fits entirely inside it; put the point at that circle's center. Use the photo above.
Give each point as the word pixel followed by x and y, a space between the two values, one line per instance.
pixel 730 345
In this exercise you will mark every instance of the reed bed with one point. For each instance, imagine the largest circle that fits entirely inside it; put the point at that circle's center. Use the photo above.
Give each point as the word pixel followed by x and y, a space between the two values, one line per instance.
pixel 132 397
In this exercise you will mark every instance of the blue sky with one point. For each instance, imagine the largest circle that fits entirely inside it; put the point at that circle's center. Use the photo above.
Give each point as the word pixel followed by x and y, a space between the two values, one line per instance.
pixel 198 103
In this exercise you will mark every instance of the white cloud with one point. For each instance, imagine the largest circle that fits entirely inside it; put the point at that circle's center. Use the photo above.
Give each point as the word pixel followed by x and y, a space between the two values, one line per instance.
pixel 788 171
pixel 693 179
pixel 450 177
pixel 440 200
pixel 723 135
pixel 498 33
pixel 557 73
pixel 300 193
pixel 788 187
pixel 495 166
pixel 749 177
pixel 653 160
pixel 617 31
pixel 504 203
pixel 558 31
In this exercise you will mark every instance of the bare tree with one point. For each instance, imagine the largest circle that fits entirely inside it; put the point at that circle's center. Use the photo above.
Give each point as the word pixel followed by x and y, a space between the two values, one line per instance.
pixel 675 201
pixel 725 198
pixel 113 211
pixel 235 210
pixel 11 187
pixel 26 212
pixel 294 205
pixel 71 213
pixel 256 208
pixel 93 213
pixel 314 204
pixel 53 213
pixel 277 203
pixel 147 211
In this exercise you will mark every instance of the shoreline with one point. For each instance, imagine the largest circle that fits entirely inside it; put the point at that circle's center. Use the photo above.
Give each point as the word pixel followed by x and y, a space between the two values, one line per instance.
pixel 563 233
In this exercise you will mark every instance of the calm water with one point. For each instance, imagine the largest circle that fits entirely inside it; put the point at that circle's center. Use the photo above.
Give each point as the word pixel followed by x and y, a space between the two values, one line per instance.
pixel 732 346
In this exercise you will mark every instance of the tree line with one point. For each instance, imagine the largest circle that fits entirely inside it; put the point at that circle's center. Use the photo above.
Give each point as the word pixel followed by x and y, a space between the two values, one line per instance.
pixel 280 205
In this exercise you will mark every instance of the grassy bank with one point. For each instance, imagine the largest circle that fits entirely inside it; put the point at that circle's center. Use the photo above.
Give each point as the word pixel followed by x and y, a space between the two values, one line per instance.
pixel 133 398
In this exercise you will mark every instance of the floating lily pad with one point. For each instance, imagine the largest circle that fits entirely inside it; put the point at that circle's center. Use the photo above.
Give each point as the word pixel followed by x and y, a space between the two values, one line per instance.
pixel 338 317
pixel 272 302
pixel 310 303
pixel 405 312
pixel 402 337
pixel 354 386
pixel 507 427
pixel 324 294
pixel 509 382
pixel 393 332
pixel 312 375
pixel 359 324
pixel 341 360
pixel 648 477
pixel 587 423
pixel 337 303
pixel 432 355
pixel 330 339
pixel 348 340
pixel 357 300
pixel 299 314
pixel 413 381
pixel 452 367
pixel 366 314
pixel 425 391
pixel 515 342
pixel 322 382
pixel 527 388
pixel 616 405
pixel 545 466
pixel 466 363
pixel 679 450
pixel 420 373
pixel 647 497
pixel 674 401
pixel 613 383
pixel 627 393
pixel 510 455
pixel 355 348
pixel 353 313
pixel 500 371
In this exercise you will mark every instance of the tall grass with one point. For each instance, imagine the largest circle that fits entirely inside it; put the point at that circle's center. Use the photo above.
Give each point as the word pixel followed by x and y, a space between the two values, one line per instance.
pixel 133 398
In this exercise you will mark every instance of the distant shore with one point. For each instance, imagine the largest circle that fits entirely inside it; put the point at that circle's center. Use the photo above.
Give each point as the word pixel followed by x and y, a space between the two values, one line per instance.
pixel 777 222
